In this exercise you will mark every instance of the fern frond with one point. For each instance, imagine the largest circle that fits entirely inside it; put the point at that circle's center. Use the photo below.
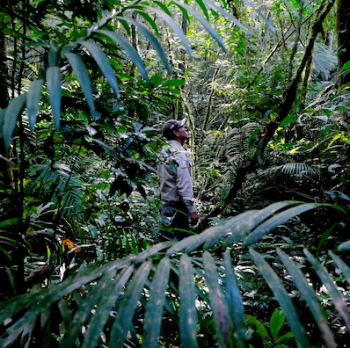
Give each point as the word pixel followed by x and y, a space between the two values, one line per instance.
pixel 294 169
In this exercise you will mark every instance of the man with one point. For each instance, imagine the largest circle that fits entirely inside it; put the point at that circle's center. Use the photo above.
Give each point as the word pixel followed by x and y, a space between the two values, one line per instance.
pixel 176 180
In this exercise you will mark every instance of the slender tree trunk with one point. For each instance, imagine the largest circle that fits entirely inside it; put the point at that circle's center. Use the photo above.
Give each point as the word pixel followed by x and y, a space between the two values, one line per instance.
pixel 297 38
pixel 6 167
pixel 134 43
pixel 343 31
pixel 210 105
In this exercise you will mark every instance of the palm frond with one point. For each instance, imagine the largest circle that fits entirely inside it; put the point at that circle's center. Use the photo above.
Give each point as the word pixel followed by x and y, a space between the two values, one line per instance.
pixel 146 279
pixel 294 169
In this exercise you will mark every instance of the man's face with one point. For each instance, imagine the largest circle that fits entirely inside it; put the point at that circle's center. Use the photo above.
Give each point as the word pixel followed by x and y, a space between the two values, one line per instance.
pixel 182 133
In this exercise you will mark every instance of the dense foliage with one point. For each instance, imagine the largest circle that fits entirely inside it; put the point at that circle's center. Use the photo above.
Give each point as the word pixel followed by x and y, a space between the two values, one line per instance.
pixel 85 87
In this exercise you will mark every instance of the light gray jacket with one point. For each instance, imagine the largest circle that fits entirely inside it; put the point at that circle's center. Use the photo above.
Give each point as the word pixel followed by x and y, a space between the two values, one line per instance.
pixel 175 175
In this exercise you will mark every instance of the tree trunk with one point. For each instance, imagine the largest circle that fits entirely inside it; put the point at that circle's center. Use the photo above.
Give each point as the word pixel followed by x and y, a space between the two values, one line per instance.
pixel 6 167
pixel 343 30
pixel 134 43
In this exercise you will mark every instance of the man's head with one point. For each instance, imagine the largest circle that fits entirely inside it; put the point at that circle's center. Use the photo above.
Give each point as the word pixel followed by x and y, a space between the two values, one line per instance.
pixel 173 129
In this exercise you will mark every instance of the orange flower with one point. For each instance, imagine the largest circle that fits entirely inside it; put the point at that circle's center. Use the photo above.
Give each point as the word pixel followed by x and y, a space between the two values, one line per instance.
pixel 70 245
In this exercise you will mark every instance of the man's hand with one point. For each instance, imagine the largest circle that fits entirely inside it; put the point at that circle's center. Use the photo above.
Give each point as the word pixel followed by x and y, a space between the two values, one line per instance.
pixel 194 218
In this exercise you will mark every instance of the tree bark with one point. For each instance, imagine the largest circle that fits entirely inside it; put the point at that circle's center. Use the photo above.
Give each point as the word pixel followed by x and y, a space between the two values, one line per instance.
pixel 343 31
pixel 134 43
pixel 6 167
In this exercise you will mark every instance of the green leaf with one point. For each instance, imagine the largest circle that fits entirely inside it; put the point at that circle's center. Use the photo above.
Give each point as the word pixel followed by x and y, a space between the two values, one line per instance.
pixel 296 13
pixel 288 120
pixel 83 78
pixel 156 80
pixel 65 313
pixel 227 15
pixel 52 56
pixel 33 98
pixel 203 8
pixel 148 18
pixel 277 220
pixel 103 63
pixel 234 302
pixel 345 67
pixel 309 6
pixel 342 265
pixel 223 323
pixel 83 313
pixel 344 246
pixel 125 25
pixel 174 83
pixel 151 251
pixel 205 24
pixel 252 221
pixel 163 7
pixel 106 302
pixel 130 50
pixel 54 293
pixel 155 305
pixel 53 77
pixel 325 235
pixel 174 26
pixel 310 297
pixel 152 39
pixel 260 328
pixel 12 112
pixel 281 295
pixel 184 12
pixel 276 322
pixel 236 226
pixel 188 314
pixel 337 297
pixel 261 15
pixel 107 148
pixel 123 321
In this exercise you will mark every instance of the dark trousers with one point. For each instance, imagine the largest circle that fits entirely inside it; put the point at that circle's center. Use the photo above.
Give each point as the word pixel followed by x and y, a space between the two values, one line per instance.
pixel 179 214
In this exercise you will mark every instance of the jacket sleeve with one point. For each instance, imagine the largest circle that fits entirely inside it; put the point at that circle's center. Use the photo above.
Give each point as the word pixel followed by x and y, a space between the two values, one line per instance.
pixel 184 184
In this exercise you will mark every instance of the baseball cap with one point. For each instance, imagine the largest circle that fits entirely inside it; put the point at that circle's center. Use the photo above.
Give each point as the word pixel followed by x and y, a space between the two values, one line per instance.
pixel 171 126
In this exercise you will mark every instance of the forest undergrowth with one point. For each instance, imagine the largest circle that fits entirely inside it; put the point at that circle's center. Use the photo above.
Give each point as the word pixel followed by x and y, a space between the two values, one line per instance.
pixel 85 87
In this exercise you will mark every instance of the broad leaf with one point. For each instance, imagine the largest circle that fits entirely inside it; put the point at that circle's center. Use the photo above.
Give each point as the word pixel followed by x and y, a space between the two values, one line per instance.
pixel 284 300
pixel 155 305
pixel 227 15
pixel 83 78
pixel 174 26
pixel 188 317
pixel 277 220
pixel 123 321
pixel 151 38
pixel 337 297
pixel 103 63
pixel 310 297
pixel 106 302
pixel 12 112
pixel 276 322
pixel 33 98
pixel 235 303
pixel 223 323
pixel 130 50
pixel 53 77
pixel 205 24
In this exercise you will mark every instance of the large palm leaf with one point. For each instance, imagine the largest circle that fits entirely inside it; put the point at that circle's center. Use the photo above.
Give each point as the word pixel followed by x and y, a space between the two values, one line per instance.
pixel 168 289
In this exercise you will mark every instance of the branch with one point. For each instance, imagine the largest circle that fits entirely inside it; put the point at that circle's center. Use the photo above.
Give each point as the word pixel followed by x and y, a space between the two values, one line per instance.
pixel 279 44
